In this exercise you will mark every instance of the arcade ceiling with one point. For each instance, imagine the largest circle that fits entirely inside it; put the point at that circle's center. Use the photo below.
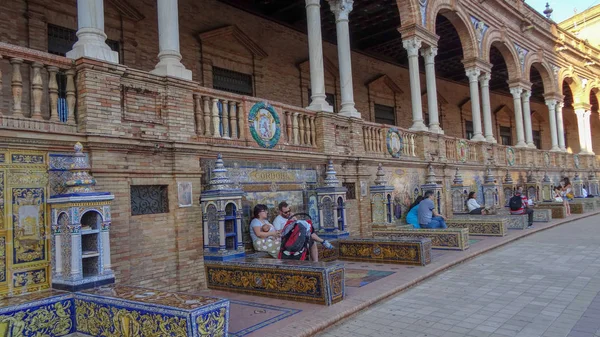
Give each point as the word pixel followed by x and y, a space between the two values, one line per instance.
pixel 374 32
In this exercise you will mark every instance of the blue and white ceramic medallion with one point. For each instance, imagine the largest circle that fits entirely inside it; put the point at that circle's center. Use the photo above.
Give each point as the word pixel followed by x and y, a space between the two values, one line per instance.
pixel 264 123
pixel 394 142
pixel 510 156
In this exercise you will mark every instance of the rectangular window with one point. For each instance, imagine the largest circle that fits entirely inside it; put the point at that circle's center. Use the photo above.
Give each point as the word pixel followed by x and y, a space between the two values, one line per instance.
pixel 506 135
pixel 232 81
pixel 537 139
pixel 385 114
pixel 62 39
pixel 468 129
pixel 351 193
pixel 149 199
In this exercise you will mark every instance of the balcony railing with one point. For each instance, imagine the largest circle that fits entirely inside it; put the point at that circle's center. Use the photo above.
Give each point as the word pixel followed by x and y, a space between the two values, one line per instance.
pixel 224 116
pixel 41 94
pixel 375 140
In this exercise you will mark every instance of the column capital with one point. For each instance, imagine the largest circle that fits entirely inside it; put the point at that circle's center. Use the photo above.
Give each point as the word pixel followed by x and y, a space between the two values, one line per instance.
pixel 473 74
pixel 341 9
pixel 560 105
pixel 526 94
pixel 429 54
pixel 516 92
pixel 551 103
pixel 582 106
pixel 412 45
pixel 485 78
pixel 313 3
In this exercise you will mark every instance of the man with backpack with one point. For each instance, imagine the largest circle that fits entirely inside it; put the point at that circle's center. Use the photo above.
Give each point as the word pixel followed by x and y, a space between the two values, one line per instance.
pixel 519 204
pixel 304 231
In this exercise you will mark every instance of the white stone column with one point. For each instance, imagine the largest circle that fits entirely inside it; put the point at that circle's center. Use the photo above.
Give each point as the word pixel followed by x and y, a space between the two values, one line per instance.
pixel 560 129
pixel 588 131
pixel 315 54
pixel 432 103
pixel 516 93
pixel 484 82
pixel 412 46
pixel 581 128
pixel 169 63
pixel 91 39
pixel 341 9
pixel 551 103
pixel 527 118
pixel 473 75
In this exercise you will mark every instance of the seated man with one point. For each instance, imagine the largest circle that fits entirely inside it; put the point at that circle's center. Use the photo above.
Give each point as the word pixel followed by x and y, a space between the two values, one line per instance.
pixel 428 217
pixel 283 217
pixel 521 207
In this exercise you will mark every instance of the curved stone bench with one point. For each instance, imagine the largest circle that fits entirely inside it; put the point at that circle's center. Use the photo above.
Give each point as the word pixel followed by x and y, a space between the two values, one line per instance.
pixel 487 225
pixel 403 250
pixel 314 282
pixel 557 208
pixel 450 238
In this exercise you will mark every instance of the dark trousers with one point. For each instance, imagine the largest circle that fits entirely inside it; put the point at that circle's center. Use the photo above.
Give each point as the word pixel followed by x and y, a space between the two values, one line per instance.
pixel 477 211
pixel 529 212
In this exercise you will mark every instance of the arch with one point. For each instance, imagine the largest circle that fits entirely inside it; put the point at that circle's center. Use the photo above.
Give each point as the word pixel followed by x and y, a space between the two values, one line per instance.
pixel 595 85
pixel 573 81
pixel 536 61
pixel 410 12
pixel 461 24
pixel 496 39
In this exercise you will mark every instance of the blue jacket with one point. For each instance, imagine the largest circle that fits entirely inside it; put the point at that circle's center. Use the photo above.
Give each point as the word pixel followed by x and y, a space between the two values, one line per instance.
pixel 411 217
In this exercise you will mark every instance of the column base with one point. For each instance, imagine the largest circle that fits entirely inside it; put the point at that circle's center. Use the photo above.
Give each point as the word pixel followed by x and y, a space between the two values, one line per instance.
pixel 93 51
pixel 350 111
pixel 555 149
pixel 531 146
pixel 418 126
pixel 491 139
pixel 478 138
pixel 173 69
pixel 521 145
pixel 320 105
pixel 91 43
pixel 436 129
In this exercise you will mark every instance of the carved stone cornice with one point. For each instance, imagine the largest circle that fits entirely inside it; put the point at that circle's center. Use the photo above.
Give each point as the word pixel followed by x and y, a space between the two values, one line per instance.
pixel 127 10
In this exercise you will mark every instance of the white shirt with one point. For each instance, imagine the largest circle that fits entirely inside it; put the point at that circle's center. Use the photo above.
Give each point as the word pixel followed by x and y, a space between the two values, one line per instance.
pixel 584 193
pixel 279 222
pixel 472 204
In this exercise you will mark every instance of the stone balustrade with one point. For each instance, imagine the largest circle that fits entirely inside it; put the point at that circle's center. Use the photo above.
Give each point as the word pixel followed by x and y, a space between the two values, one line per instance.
pixel 375 140
pixel 41 94
pixel 219 115
pixel 460 150
pixel 299 127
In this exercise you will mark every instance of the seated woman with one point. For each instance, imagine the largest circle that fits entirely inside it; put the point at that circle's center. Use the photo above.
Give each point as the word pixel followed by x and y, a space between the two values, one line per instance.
pixel 473 205
pixel 411 216
pixel 264 241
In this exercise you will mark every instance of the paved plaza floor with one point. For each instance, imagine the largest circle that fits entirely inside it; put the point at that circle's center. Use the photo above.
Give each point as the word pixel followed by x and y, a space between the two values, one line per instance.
pixel 547 284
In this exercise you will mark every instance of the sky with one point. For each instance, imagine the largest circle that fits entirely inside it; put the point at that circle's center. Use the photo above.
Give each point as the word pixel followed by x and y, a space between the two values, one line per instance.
pixel 563 9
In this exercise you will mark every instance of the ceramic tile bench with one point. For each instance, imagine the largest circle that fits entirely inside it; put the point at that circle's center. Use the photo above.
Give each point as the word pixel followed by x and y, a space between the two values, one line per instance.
pixel 542 215
pixel 114 311
pixel 587 205
pixel 557 208
pixel 451 238
pixel 314 282
pixel 411 251
pixel 487 225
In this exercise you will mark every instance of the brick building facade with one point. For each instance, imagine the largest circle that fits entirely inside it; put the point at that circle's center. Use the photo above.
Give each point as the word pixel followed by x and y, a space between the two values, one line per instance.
pixel 140 128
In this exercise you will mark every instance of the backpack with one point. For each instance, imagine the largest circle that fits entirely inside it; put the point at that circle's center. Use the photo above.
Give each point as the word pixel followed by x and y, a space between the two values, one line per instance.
pixel 295 239
pixel 515 203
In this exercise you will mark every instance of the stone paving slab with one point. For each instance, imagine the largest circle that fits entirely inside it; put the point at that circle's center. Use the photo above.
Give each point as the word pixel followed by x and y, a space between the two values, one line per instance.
pixel 547 285
pixel 312 318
